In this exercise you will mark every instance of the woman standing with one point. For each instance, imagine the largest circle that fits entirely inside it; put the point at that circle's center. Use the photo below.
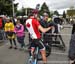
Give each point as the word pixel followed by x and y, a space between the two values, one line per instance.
pixel 19 30
pixel 9 29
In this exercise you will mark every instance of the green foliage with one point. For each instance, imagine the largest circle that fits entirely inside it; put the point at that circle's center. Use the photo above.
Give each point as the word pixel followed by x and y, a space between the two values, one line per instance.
pixel 44 8
pixel 64 14
pixel 56 12
pixel 6 7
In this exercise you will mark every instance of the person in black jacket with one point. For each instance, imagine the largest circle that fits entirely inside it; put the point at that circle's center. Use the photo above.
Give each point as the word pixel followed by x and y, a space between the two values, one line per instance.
pixel 73 29
pixel 46 36
pixel 72 46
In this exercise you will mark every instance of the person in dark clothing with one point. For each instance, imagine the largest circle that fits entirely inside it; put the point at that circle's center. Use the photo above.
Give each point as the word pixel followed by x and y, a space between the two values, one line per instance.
pixel 73 29
pixel 72 50
pixel 72 47
pixel 46 36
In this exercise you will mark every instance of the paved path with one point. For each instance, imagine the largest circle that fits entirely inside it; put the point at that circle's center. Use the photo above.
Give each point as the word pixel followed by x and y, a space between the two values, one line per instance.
pixel 12 56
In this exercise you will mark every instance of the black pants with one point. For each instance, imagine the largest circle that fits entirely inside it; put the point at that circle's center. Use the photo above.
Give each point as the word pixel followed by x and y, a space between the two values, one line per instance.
pixel 72 48
pixel 13 41
pixel 21 41
pixel 10 34
pixel 47 38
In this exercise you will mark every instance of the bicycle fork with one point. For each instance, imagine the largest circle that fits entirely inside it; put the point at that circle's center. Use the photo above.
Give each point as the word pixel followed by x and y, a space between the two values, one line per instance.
pixel 36 56
pixel 33 59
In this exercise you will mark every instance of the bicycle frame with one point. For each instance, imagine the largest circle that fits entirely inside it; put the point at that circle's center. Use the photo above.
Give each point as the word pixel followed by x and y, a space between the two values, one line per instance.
pixel 36 55
pixel 34 60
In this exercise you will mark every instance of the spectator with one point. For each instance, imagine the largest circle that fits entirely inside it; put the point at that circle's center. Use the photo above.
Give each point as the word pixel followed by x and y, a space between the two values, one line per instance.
pixel 46 36
pixel 19 30
pixel 1 23
pixel 9 29
pixel 14 20
pixel 72 47
pixel 73 29
pixel 1 26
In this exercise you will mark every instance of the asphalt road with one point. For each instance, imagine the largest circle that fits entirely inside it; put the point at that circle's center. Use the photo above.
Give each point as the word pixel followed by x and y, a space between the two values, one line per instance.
pixel 58 56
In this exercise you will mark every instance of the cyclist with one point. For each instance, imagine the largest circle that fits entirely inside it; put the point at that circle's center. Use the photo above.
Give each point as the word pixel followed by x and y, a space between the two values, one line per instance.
pixel 33 26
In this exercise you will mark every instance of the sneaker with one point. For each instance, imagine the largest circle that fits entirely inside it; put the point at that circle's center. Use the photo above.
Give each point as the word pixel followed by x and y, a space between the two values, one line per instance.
pixel 10 47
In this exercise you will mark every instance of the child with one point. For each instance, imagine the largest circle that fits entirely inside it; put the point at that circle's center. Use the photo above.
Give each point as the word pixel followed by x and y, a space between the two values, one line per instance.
pixel 19 30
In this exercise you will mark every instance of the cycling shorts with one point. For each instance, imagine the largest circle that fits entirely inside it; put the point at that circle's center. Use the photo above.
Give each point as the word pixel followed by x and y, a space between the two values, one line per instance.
pixel 37 42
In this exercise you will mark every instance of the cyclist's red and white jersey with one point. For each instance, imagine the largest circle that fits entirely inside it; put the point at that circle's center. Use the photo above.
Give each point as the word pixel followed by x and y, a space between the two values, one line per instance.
pixel 32 26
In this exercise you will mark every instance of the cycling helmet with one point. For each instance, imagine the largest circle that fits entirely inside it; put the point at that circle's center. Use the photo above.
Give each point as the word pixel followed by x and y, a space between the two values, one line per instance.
pixel 35 11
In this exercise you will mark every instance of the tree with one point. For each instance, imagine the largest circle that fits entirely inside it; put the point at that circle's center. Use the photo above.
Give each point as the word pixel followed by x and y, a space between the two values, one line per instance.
pixel 6 7
pixel 56 12
pixel 44 8
pixel 64 14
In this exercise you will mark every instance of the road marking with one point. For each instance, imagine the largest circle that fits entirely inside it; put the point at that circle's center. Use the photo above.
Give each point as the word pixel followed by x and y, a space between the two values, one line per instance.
pixel 55 62
pixel 60 53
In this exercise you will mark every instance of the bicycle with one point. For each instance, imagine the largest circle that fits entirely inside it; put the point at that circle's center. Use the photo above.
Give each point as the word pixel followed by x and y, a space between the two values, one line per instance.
pixel 37 55
pixel 34 59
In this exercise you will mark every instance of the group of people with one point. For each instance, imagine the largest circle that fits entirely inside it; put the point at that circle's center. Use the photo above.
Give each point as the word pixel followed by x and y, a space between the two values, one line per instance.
pixel 12 31
pixel 35 27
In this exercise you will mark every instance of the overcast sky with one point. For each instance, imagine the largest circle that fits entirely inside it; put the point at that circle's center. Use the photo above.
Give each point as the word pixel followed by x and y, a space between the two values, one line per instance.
pixel 52 4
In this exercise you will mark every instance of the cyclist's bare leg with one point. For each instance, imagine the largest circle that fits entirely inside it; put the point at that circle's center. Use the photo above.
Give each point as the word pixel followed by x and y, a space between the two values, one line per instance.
pixel 32 51
pixel 43 53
